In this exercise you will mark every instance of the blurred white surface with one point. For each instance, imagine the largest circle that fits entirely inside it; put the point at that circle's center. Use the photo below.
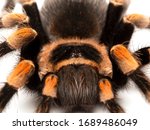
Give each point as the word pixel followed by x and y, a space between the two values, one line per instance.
pixel 131 99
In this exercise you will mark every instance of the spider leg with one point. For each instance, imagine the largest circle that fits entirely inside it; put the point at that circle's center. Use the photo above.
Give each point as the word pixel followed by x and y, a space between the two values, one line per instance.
pixel 107 96
pixel 13 19
pixel 129 65
pixel 116 9
pixel 32 12
pixel 10 4
pixel 17 39
pixel 17 78
pixel 138 20
pixel 49 93
pixel 138 76
pixel 8 7
pixel 116 30
pixel 143 83
pixel 143 55
pixel 124 29
pixel 125 60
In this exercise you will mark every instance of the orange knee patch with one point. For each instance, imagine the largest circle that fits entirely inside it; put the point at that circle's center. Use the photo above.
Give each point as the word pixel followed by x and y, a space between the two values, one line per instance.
pixel 106 92
pixel 126 62
pixel 12 19
pixel 138 20
pixel 21 37
pixel 20 74
pixel 50 86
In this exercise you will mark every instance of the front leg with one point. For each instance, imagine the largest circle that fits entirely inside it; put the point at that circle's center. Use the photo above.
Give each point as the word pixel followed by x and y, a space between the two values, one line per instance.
pixel 17 78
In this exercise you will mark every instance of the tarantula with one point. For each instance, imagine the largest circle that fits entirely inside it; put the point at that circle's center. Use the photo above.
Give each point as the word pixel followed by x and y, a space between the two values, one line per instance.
pixel 74 53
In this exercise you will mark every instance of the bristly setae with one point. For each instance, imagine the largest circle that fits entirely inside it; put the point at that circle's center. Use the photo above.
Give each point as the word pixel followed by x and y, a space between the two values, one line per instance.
pixel 74 53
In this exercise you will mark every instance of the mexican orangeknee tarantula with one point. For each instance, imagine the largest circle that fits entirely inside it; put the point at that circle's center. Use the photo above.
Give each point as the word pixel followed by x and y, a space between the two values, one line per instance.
pixel 74 53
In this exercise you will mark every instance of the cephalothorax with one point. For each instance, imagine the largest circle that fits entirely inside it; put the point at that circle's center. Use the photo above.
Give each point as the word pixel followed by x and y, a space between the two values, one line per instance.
pixel 74 53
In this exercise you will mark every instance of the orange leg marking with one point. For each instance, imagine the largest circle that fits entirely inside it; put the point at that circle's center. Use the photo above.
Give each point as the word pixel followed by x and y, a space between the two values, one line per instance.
pixel 50 87
pixel 20 74
pixel 21 37
pixel 126 62
pixel 106 92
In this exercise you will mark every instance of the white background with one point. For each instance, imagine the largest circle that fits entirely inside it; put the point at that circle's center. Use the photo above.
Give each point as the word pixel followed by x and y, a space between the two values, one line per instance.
pixel 130 98
pixel 74 123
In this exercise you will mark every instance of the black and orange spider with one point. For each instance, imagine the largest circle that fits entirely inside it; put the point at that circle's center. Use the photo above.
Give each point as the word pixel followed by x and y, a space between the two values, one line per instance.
pixel 74 53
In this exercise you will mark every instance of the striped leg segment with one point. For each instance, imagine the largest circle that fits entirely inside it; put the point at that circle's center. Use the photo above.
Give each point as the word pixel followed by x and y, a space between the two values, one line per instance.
pixel 107 97
pixel 49 93
pixel 17 78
